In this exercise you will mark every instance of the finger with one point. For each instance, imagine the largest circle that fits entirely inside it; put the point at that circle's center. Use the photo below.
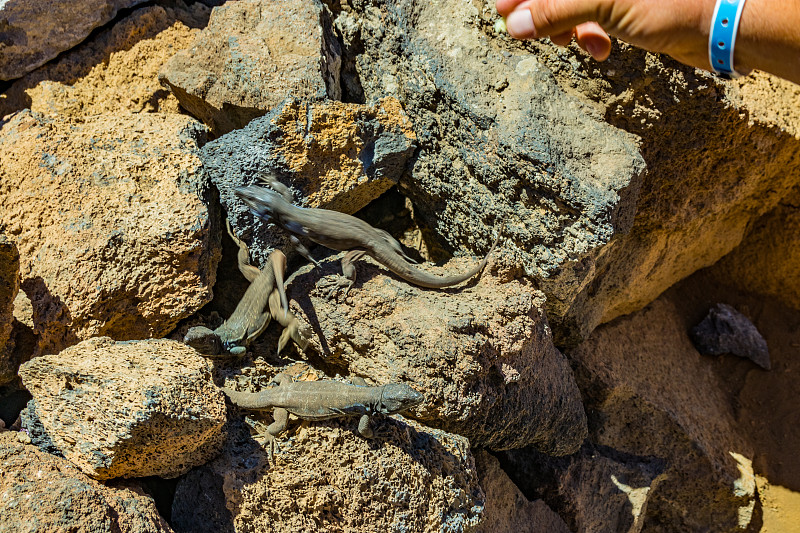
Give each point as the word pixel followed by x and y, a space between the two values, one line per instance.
pixel 562 39
pixel 592 38
pixel 550 17
pixel 504 7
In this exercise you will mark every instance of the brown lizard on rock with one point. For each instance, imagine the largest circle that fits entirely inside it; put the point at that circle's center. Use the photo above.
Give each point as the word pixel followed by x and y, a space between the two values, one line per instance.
pixel 252 315
pixel 341 231
pixel 326 399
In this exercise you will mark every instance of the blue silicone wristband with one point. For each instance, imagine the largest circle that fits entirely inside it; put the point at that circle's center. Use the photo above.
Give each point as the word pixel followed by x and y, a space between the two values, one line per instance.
pixel 722 37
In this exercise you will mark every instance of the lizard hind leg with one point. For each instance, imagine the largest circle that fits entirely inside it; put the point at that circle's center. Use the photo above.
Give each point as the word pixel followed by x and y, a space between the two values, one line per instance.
pixel 348 277
pixel 281 419
pixel 302 250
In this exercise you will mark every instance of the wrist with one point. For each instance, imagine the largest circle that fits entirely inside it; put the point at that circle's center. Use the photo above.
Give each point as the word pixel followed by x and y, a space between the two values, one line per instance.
pixel 722 40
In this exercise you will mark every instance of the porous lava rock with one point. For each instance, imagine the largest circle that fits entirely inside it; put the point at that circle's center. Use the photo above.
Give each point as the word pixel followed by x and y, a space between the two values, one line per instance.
pixel 125 409
pixel 109 217
pixel 42 492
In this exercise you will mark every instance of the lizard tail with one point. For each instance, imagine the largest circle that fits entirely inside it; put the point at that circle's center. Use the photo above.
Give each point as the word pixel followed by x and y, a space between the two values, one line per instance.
pixel 425 279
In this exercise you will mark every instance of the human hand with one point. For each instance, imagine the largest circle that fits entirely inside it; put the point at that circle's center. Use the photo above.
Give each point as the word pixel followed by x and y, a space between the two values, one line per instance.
pixel 675 27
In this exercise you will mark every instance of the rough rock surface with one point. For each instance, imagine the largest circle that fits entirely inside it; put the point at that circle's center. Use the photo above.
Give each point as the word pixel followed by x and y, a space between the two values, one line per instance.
pixel 660 416
pixel 507 510
pixel 697 201
pixel 482 353
pixel 114 71
pixel 768 260
pixel 531 135
pixel 35 31
pixel 42 492
pixel 9 286
pixel 340 156
pixel 125 409
pixel 500 143
pixel 107 213
pixel 328 478
pixel 726 330
pixel 252 55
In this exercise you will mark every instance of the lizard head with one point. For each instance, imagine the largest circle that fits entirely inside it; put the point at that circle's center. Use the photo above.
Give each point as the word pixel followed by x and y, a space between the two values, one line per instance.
pixel 398 397
pixel 203 340
pixel 261 200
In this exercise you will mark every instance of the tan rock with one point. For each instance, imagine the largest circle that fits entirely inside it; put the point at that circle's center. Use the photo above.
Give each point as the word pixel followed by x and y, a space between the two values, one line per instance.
pixel 328 478
pixel 767 261
pixel 339 156
pixel 42 492
pixel 37 31
pixel 252 55
pixel 719 156
pixel 482 352
pixel 113 235
pixel 125 409
pixel 9 286
pixel 114 70
pixel 507 509
pixel 651 398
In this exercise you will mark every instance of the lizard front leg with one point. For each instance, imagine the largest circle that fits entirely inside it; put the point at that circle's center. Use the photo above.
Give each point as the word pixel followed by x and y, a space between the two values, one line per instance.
pixel 302 250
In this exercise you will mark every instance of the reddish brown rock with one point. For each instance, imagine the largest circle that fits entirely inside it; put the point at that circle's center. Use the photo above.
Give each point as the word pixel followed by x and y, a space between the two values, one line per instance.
pixel 662 423
pixel 507 509
pixel 107 212
pixel 252 55
pixel 9 286
pixel 42 492
pixel 767 261
pixel 125 409
pixel 36 31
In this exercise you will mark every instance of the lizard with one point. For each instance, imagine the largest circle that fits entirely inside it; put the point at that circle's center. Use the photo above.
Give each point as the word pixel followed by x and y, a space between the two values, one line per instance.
pixel 340 231
pixel 292 327
pixel 251 316
pixel 325 399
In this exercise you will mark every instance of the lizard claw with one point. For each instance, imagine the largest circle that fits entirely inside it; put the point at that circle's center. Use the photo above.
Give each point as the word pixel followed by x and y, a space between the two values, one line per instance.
pixel 262 436
pixel 335 285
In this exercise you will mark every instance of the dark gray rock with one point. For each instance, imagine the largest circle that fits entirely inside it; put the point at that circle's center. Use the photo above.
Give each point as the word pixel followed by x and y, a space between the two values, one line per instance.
pixel 252 55
pixel 726 330
pixel 501 144
pixel 34 31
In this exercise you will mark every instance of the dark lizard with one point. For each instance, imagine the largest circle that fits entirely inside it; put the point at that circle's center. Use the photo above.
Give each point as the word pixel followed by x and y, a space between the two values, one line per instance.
pixel 252 315
pixel 326 399
pixel 341 231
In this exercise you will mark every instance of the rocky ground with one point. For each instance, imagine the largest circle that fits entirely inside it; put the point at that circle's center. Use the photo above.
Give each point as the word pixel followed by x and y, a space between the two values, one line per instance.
pixel 567 387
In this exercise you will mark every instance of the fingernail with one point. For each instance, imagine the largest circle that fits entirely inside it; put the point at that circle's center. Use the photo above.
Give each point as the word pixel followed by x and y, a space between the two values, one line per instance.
pixel 520 24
